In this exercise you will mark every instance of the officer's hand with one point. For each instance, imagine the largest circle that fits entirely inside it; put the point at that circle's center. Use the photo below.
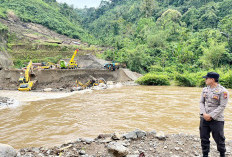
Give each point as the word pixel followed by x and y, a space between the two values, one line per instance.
pixel 207 117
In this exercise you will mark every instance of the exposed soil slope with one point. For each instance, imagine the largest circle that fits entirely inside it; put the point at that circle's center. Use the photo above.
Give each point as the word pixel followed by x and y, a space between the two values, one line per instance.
pixel 30 41
pixel 5 59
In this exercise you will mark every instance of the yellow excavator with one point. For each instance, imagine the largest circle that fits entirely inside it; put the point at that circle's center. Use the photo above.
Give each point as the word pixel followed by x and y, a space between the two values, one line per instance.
pixel 25 82
pixel 92 82
pixel 48 65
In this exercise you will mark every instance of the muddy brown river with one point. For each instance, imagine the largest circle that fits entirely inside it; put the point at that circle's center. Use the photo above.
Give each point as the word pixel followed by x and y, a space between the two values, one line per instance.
pixel 56 121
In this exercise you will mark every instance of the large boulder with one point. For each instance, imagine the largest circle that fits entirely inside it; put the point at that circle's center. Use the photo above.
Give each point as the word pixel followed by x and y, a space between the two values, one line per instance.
pixel 135 134
pixel 160 135
pixel 7 151
pixel 117 149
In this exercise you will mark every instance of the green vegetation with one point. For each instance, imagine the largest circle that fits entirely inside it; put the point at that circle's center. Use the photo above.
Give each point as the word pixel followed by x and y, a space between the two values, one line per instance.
pixel 3 27
pixel 182 39
pixel 186 79
pixel 175 40
pixel 43 52
pixel 153 79
pixel 58 17
pixel 190 79
pixel 24 62
pixel 2 12
pixel 187 34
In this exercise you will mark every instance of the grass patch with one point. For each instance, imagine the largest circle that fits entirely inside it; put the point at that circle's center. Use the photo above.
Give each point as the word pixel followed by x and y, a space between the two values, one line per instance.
pixel 3 27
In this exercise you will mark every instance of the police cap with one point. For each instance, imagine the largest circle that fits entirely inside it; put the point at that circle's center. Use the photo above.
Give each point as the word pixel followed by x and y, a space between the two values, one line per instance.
pixel 212 75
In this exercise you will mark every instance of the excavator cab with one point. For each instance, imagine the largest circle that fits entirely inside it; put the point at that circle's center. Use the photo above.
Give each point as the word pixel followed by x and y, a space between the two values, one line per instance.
pixel 26 86
pixel 22 79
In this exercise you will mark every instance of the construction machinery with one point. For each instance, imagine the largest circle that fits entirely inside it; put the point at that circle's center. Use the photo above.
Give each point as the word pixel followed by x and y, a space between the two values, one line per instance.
pixel 72 63
pixel 91 83
pixel 63 64
pixel 114 65
pixel 25 80
pixel 48 65
pixel 111 66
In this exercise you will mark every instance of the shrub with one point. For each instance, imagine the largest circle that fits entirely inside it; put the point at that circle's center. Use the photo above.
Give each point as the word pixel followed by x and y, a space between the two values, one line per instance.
pixel 200 81
pixel 155 68
pixel 153 79
pixel 185 80
pixel 191 79
pixel 2 12
pixel 226 80
pixel 3 27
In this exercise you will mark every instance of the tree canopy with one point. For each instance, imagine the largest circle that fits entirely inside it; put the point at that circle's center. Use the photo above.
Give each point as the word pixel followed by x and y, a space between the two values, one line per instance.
pixel 185 35
pixel 190 34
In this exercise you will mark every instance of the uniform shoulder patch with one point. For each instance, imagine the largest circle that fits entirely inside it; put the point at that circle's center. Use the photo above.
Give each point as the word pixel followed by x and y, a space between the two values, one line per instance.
pixel 225 95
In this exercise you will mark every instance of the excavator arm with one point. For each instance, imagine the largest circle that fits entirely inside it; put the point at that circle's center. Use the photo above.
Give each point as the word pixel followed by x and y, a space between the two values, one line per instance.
pixel 25 83
pixel 27 72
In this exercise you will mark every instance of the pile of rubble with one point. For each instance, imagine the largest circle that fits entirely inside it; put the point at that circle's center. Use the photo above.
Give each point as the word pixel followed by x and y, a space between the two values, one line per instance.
pixel 6 102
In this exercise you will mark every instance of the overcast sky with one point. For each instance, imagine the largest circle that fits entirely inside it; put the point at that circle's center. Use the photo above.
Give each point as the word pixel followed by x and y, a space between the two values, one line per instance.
pixel 82 3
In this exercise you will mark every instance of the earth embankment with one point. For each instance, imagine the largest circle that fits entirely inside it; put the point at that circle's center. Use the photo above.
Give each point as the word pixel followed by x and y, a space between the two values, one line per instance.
pixel 62 78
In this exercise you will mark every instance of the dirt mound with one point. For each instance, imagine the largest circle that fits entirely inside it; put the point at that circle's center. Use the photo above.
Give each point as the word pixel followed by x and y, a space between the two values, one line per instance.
pixel 90 62
pixel 132 75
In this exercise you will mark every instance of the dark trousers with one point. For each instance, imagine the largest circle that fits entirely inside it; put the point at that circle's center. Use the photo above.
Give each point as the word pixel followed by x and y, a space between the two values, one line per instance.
pixel 217 129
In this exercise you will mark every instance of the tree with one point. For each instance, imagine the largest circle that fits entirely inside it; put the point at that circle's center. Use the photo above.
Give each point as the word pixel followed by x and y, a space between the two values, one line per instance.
pixel 170 19
pixel 182 53
pixel 191 18
pixel 147 7
pixel 208 20
pixel 49 1
pixel 225 26
pixel 213 55
pixel 225 8
pixel 208 16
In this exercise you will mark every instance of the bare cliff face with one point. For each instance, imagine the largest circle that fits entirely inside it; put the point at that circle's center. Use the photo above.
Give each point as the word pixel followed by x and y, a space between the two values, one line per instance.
pixel 5 59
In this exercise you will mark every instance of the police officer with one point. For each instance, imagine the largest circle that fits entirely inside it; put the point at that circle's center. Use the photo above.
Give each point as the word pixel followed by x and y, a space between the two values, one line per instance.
pixel 213 101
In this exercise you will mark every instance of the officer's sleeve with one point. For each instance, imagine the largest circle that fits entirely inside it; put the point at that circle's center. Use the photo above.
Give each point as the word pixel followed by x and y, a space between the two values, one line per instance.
pixel 202 103
pixel 224 96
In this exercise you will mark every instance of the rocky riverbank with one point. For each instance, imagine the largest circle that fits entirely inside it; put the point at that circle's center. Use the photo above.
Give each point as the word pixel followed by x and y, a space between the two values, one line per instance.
pixel 133 144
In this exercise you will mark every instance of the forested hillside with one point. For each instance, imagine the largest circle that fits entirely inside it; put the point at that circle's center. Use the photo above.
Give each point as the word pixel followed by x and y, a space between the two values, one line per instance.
pixel 56 16
pixel 30 26
pixel 178 39
pixel 164 35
